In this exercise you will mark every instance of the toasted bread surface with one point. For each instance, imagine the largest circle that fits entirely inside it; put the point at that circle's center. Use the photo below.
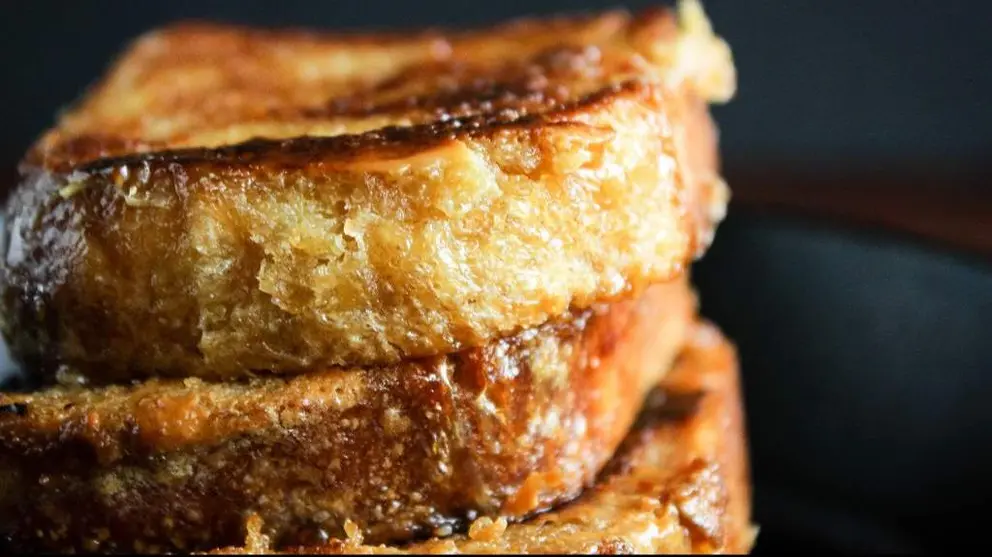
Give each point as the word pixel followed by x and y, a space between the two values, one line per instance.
pixel 231 201
pixel 507 429
pixel 679 485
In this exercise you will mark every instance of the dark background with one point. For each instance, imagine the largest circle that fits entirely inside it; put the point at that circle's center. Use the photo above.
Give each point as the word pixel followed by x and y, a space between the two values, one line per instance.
pixel 853 271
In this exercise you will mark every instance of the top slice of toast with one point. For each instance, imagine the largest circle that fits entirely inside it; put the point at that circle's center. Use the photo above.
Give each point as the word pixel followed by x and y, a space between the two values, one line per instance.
pixel 209 86
pixel 232 201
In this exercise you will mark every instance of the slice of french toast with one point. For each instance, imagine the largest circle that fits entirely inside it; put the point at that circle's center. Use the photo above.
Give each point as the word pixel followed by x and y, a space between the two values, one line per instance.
pixel 232 201
pixel 679 485
pixel 394 453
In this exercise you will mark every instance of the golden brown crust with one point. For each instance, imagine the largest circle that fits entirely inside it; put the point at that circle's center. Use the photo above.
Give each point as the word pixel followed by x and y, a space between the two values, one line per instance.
pixel 509 428
pixel 199 85
pixel 231 201
pixel 679 485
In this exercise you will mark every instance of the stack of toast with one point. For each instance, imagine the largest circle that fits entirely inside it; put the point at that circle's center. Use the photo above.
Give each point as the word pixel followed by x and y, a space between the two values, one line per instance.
pixel 279 291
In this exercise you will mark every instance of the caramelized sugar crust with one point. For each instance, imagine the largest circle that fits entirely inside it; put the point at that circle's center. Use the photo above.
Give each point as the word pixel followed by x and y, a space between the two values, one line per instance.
pixel 232 201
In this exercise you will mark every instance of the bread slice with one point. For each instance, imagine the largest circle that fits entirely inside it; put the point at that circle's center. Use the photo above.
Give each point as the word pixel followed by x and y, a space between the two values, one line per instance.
pixel 230 201
pixel 507 429
pixel 679 485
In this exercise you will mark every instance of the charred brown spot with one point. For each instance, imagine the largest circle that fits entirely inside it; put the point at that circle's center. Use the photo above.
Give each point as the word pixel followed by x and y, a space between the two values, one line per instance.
pixel 666 404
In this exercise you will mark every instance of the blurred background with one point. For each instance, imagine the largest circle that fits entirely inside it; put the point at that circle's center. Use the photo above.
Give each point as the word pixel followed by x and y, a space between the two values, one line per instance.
pixel 854 271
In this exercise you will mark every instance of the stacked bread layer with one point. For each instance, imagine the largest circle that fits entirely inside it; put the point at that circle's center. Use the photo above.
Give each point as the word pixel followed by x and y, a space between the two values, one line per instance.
pixel 392 453
pixel 679 484
pixel 277 214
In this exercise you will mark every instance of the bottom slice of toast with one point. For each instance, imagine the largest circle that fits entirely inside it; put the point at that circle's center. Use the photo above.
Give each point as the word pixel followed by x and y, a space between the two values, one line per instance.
pixel 679 484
